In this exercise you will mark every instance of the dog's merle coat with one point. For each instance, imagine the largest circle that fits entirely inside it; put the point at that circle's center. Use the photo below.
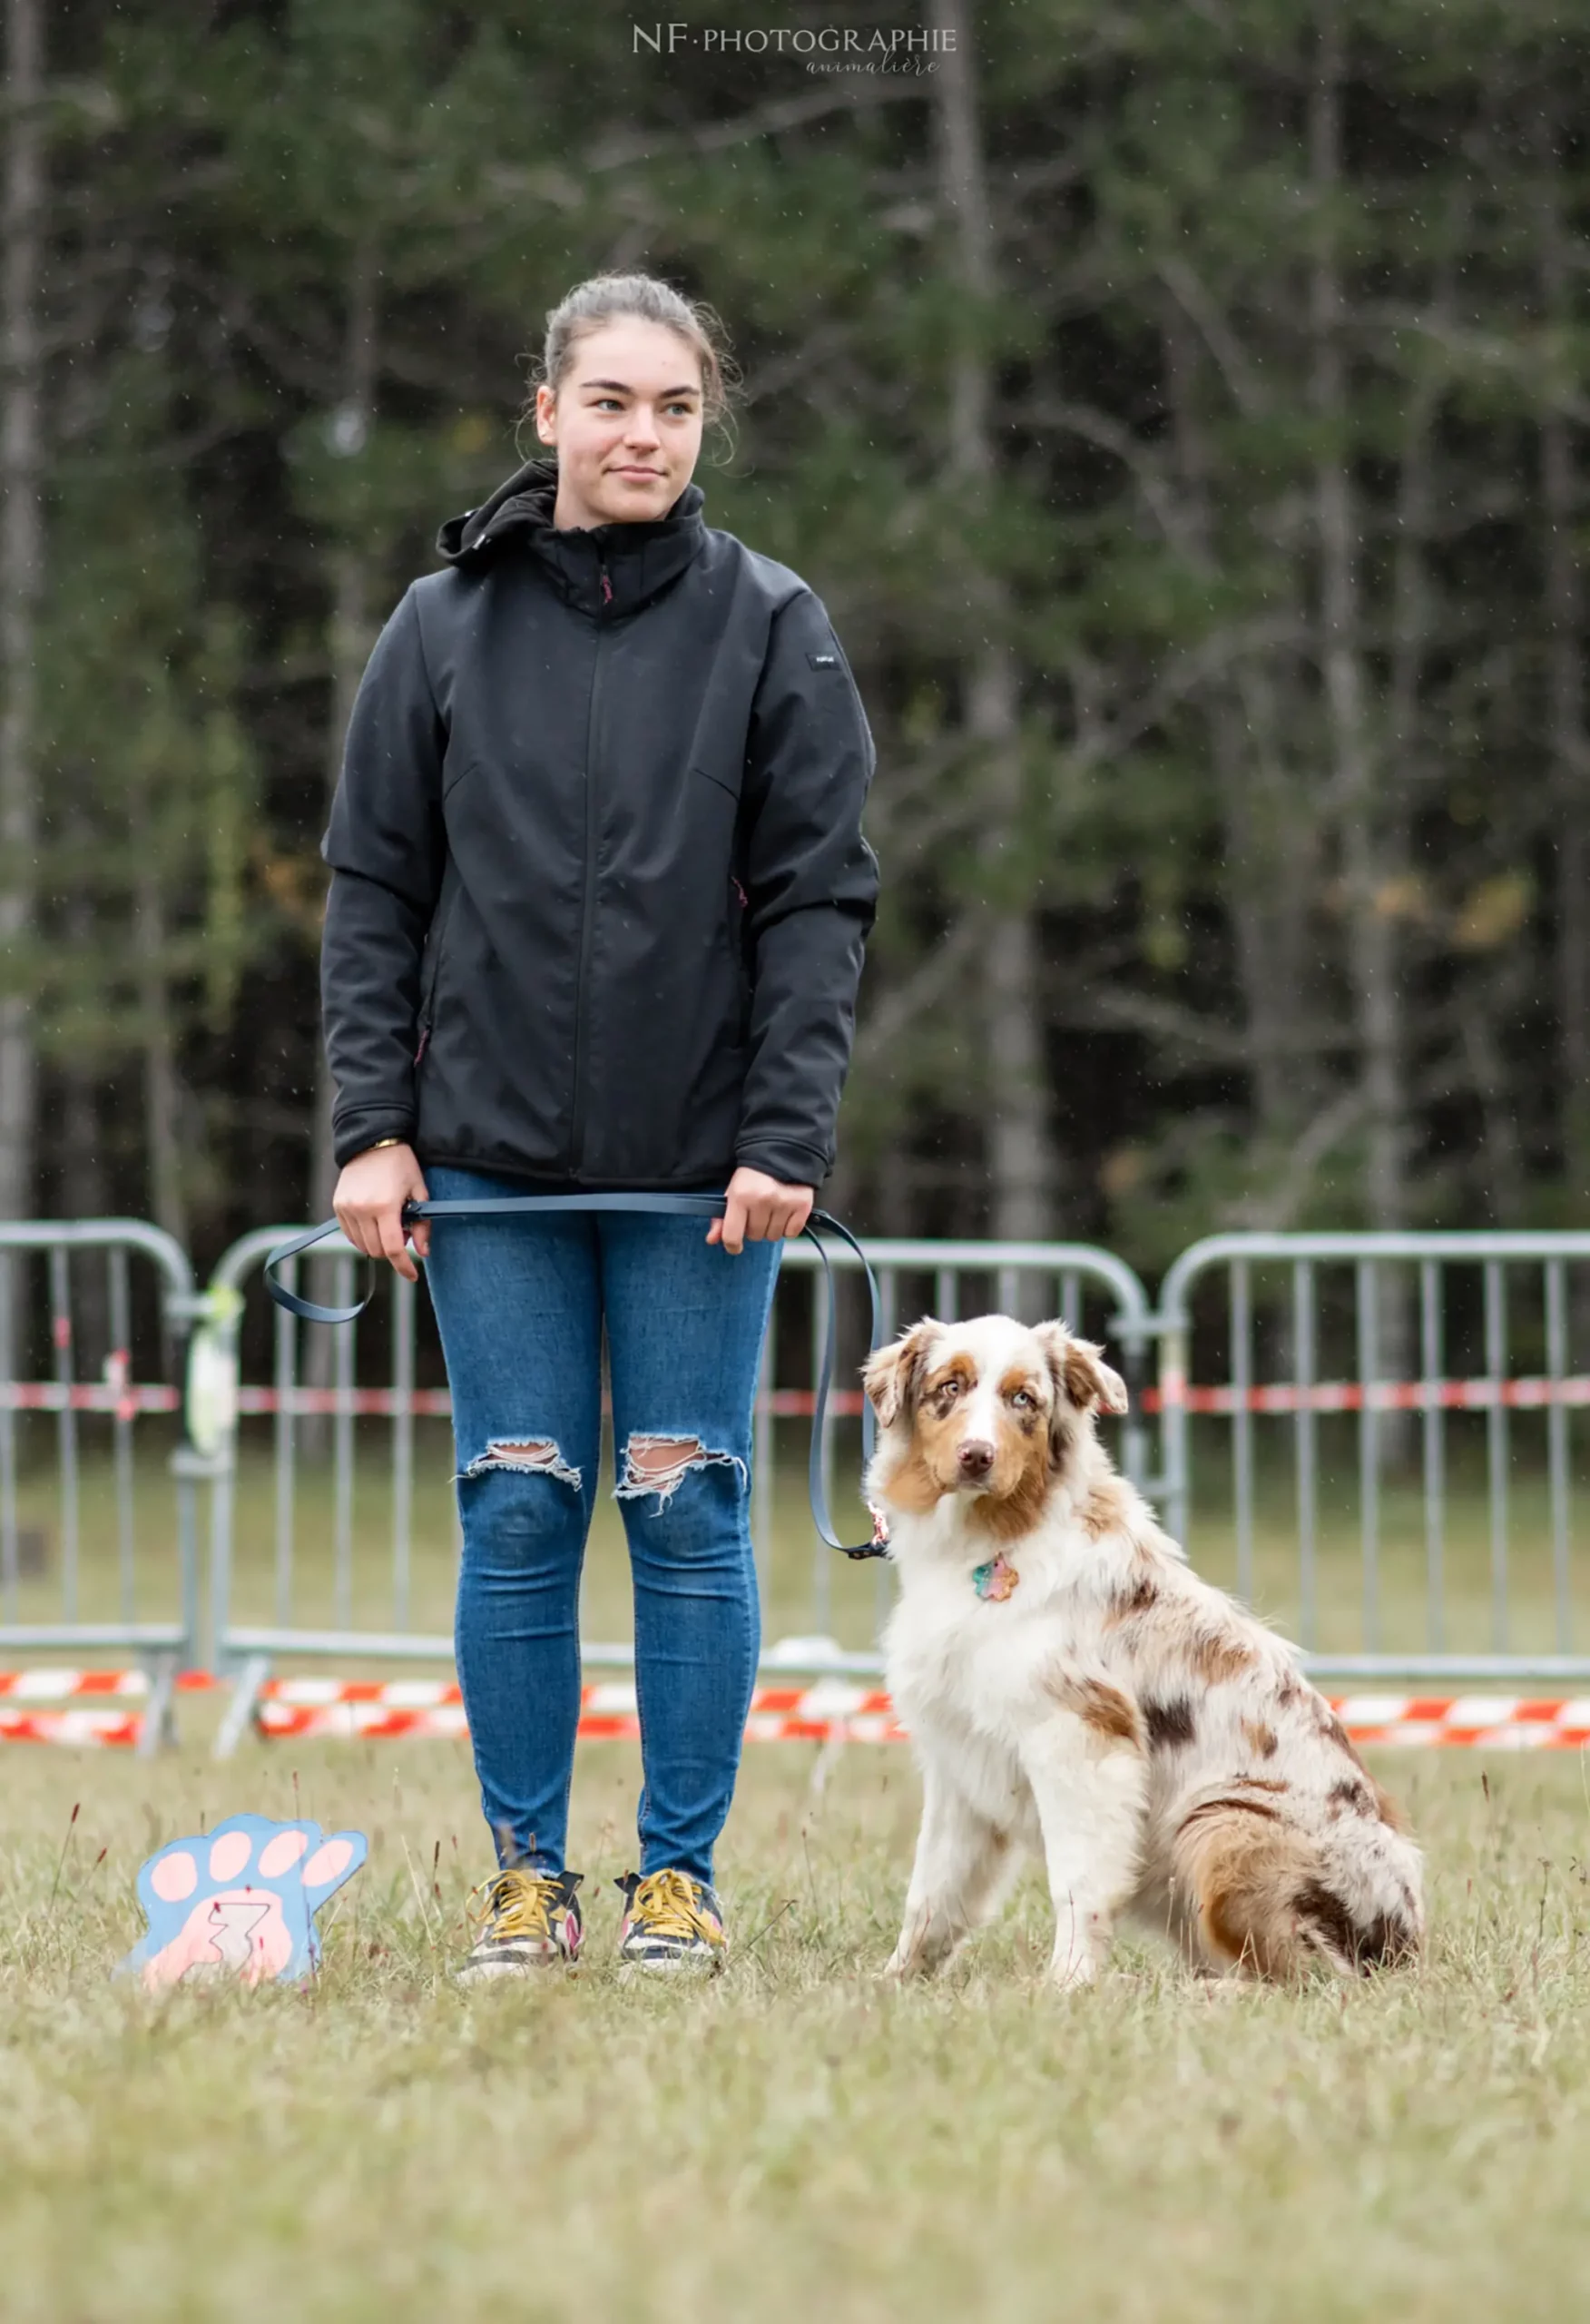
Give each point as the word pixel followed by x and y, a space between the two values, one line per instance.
pixel 1155 1741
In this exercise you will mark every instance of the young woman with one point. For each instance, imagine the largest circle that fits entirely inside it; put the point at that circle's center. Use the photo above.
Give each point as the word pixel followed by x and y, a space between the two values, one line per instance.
pixel 597 913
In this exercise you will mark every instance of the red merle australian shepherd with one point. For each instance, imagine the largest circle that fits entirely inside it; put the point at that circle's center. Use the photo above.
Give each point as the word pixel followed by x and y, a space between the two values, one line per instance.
pixel 1070 1685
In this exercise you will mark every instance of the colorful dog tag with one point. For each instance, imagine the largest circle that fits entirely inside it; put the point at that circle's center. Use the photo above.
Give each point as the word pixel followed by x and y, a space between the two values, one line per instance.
pixel 996 1580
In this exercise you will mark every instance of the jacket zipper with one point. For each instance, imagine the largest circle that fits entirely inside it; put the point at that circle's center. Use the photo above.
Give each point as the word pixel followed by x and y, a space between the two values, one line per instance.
pixel 577 1128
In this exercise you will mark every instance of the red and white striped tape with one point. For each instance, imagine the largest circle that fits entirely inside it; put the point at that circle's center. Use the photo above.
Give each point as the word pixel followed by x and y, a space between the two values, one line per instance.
pixel 68 1686
pixel 1488 1722
pixel 836 1710
pixel 825 1710
pixel 101 1728
pixel 437 1403
pixel 830 1710
pixel 85 1397
pixel 1522 1394
pixel 1172 1393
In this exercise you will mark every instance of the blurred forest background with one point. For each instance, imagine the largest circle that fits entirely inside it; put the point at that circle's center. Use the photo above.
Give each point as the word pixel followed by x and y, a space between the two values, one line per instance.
pixel 1181 405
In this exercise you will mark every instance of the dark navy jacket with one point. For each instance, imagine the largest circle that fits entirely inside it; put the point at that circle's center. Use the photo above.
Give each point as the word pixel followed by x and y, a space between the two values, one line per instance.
pixel 599 894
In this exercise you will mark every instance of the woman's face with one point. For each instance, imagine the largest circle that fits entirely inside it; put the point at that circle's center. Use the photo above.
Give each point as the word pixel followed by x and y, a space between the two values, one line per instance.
pixel 626 423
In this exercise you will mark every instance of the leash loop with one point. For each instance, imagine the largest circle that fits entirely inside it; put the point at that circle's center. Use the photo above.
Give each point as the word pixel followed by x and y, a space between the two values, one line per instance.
pixel 701 1206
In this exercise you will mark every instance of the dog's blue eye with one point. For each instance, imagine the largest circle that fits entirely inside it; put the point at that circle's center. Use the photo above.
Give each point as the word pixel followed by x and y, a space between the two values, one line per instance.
pixel 1021 1397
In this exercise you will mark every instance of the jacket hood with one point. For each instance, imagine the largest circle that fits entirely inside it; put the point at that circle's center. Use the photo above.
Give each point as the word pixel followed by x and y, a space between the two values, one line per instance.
pixel 616 567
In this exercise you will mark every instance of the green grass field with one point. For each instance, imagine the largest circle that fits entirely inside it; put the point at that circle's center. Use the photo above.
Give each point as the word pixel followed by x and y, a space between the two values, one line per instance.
pixel 791 2139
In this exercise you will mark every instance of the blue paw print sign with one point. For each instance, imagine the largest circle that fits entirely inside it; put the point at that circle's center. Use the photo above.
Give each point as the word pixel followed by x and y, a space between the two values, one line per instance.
pixel 239 1902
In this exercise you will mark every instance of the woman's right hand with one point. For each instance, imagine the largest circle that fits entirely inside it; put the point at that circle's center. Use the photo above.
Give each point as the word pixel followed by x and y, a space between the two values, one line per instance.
pixel 369 1202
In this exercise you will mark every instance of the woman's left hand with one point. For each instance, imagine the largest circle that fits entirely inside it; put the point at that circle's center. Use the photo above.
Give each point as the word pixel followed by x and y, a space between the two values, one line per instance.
pixel 761 1207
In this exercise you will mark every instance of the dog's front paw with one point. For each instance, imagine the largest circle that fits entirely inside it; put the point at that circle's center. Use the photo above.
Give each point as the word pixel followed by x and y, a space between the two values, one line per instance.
pixel 1082 1939
pixel 1074 1962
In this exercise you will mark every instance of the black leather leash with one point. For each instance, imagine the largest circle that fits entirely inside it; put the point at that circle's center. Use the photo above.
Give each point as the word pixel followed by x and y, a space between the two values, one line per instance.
pixel 701 1206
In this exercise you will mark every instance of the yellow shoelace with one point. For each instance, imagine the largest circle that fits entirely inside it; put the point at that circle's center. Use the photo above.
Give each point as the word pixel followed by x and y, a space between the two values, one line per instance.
pixel 516 1903
pixel 666 1901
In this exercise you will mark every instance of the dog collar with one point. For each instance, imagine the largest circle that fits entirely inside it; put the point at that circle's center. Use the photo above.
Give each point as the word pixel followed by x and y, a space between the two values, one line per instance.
pixel 996 1580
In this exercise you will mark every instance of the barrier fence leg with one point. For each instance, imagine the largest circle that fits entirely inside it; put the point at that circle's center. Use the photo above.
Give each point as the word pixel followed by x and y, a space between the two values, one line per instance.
pixel 159 1724
pixel 247 1682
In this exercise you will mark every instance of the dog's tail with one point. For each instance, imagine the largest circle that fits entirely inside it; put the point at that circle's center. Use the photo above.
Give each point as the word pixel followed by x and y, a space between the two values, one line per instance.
pixel 1270 1898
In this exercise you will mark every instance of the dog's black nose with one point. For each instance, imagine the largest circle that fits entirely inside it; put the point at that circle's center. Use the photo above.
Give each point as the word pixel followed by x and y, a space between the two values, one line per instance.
pixel 977 1459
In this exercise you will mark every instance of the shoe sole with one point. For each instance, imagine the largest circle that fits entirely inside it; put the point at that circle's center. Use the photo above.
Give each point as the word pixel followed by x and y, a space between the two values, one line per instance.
pixel 487 1973
pixel 666 1964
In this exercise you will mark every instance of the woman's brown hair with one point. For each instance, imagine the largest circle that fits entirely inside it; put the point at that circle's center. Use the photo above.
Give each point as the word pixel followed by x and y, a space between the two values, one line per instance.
pixel 602 299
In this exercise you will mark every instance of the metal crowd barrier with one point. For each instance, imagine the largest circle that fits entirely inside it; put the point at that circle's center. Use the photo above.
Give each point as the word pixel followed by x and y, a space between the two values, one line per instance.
pixel 100 1601
pixel 1370 1436
pixel 1091 1287
pixel 1390 1339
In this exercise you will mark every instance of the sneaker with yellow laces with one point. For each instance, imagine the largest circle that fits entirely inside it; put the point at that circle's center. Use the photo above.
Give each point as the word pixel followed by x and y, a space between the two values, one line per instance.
pixel 671 1921
pixel 529 1920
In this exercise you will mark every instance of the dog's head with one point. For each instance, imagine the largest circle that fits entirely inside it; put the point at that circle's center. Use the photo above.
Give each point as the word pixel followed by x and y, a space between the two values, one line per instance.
pixel 991 1408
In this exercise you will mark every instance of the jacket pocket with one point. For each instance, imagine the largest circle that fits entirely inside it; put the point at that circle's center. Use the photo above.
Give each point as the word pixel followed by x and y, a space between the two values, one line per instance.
pixel 726 774
pixel 738 947
pixel 429 990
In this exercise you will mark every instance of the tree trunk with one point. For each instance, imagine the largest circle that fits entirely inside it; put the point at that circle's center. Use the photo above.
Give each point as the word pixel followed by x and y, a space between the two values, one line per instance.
pixel 164 1105
pixel 21 581
pixel 1371 921
pixel 1485 1047
pixel 1022 1167
pixel 84 1181
pixel 1271 841
pixel 1568 745
pixel 351 644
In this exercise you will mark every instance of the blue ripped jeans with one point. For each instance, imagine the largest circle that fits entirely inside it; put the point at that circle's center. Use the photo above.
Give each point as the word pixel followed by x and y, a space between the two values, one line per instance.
pixel 520 1303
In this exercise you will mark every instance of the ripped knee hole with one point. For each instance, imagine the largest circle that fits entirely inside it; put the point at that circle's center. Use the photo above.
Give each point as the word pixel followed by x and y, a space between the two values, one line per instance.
pixel 528 1453
pixel 660 1464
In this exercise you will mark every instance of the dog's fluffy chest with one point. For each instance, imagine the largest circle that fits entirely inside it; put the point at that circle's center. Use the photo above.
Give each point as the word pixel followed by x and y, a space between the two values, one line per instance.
pixel 975 1653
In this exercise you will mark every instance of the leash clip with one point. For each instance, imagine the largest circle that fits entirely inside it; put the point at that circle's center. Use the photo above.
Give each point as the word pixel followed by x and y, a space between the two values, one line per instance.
pixel 878 1547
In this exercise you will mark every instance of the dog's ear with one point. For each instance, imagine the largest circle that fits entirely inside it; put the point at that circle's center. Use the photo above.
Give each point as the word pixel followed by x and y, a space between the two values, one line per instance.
pixel 1079 1372
pixel 893 1376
